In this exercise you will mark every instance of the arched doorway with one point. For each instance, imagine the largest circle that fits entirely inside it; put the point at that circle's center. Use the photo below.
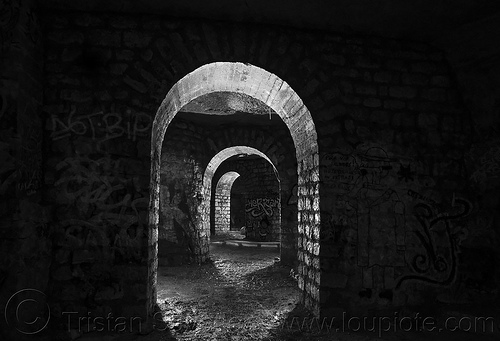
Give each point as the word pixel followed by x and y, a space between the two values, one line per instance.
pixel 272 205
pixel 279 96
pixel 222 202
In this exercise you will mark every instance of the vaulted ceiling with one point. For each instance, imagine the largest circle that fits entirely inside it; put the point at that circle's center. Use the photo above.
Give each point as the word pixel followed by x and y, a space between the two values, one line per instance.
pixel 416 19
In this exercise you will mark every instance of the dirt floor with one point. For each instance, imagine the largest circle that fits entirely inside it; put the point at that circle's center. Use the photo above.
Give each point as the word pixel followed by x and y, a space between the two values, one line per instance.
pixel 241 295
pixel 245 294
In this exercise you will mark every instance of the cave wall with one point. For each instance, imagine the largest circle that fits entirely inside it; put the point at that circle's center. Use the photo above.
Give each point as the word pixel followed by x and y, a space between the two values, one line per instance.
pixel 25 246
pixel 400 211
pixel 474 55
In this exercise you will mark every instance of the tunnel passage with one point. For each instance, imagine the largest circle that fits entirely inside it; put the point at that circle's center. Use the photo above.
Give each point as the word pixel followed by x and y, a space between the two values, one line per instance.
pixel 77 117
pixel 222 202
pixel 184 158
pixel 259 189
pixel 255 201
pixel 277 95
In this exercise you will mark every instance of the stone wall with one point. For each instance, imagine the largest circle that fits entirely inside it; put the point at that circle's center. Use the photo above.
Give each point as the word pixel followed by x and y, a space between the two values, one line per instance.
pixel 188 148
pixel 476 68
pixel 223 215
pixel 257 192
pixel 183 161
pixel 24 216
pixel 396 202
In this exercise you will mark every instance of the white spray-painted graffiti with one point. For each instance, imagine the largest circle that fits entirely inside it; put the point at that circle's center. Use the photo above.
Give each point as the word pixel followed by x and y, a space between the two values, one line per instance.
pixel 374 193
pixel 259 206
pixel 488 164
pixel 102 195
pixel 259 214
pixel 366 183
pixel 101 126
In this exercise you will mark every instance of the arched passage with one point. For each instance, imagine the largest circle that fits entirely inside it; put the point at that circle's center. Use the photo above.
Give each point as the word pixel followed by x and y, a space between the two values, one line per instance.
pixel 279 96
pixel 224 155
pixel 222 204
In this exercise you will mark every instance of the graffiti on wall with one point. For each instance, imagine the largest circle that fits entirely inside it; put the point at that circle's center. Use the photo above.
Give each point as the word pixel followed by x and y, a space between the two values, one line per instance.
pixel 440 235
pixel 30 149
pixel 340 171
pixel 9 140
pixel 8 169
pixel 258 207
pixel 98 196
pixel 367 185
pixel 487 165
pixel 259 213
pixel 178 216
pixel 32 29
pixel 379 197
pixel 101 126
pixel 30 161
pixel 418 196
pixel 20 146
pixel 9 18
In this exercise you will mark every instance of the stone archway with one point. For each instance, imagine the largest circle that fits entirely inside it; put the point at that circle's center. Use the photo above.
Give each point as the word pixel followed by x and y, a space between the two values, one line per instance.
pixel 212 166
pixel 279 96
pixel 222 204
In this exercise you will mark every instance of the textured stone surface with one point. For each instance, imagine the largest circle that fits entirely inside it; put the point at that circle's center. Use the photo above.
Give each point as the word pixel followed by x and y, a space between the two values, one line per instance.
pixel 25 244
pixel 255 200
pixel 385 206
pixel 224 204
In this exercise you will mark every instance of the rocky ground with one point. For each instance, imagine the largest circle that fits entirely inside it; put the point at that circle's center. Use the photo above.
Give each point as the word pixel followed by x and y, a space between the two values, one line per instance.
pixel 241 295
pixel 244 293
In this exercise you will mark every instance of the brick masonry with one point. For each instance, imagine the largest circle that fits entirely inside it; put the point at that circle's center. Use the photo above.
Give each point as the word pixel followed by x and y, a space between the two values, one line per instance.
pixel 25 241
pixel 256 195
pixel 380 208
pixel 223 203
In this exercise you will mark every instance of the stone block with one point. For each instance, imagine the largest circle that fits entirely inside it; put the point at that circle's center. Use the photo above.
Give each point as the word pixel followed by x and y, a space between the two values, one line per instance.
pixel 346 73
pixel 424 67
pixel 66 37
pixel 118 68
pixel 441 81
pixel 70 54
pixel 366 90
pixel 125 55
pixel 147 55
pixel 122 22
pixel 435 94
pixel 334 280
pixel 136 85
pixel 427 120
pixel 105 38
pixel 62 273
pixel 385 77
pixel 372 102
pixel 380 117
pixel 395 64
pixel 135 39
pixel 402 92
pixel 88 20
pixel 335 59
pixel 414 79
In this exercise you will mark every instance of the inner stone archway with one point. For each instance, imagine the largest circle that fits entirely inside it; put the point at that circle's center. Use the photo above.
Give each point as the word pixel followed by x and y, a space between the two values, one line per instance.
pixel 222 202
pixel 272 204
pixel 280 97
